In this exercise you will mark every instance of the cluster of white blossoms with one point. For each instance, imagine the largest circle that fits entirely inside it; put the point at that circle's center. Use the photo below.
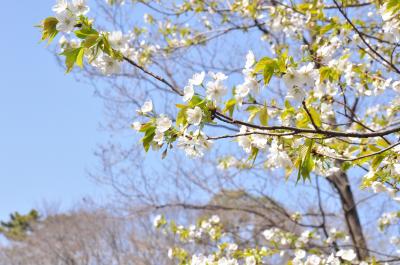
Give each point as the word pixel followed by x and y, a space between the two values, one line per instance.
pixel 194 143
pixel 248 142
pixel 195 81
pixel 206 228
pixel 161 122
pixel 298 81
pixel 278 157
pixel 250 84
pixel 388 219
pixel 232 162
pixel 285 20
pixel 285 244
pixel 336 235
pixel 328 49
pixel 378 187
pixel 67 13
pixel 106 64
pixel 391 26
pixel 281 238
pixel 215 88
pixel 159 221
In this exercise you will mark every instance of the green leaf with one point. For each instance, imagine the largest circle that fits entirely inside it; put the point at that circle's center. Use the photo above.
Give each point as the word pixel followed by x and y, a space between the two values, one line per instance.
pixel 267 66
pixel 195 101
pixel 253 111
pixel 263 116
pixel 79 58
pixel 253 155
pixel 326 28
pixel 73 56
pixel 306 164
pixel 91 40
pixel 393 6
pixel 86 31
pixel 315 116
pixel 260 65
pixel 181 117
pixel 148 137
pixel 269 71
pixel 49 29
pixel 377 161
pixel 382 143
pixel 230 106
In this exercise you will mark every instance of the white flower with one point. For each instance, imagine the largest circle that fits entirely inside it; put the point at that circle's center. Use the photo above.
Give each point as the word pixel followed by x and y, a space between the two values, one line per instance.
pixel 370 174
pixel 148 18
pixel 250 85
pixel 277 157
pixel 205 225
pixel 163 123
pixel 170 253
pixel 250 60
pixel 332 260
pixel 226 261
pixel 188 92
pixel 269 234
pixel 215 219
pixel 194 116
pixel 215 90
pixel 158 220
pixel 60 6
pixel 66 21
pixel 158 138
pixel 79 7
pixel 242 91
pixel 118 40
pixel 348 254
pixel 396 168
pixel 250 260
pixel 244 141
pixel 378 187
pixel 195 144
pixel 136 125
pixel 299 254
pixel 396 86
pixel 297 81
pixel 232 247
pixel 201 260
pixel 296 93
pixel 218 76
pixel 259 141
pixel 147 106
pixel 107 65
pixel 291 78
pixel 197 79
pixel 313 260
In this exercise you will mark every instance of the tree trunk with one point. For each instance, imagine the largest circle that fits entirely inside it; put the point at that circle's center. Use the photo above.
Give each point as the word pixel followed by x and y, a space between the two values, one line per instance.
pixel 341 183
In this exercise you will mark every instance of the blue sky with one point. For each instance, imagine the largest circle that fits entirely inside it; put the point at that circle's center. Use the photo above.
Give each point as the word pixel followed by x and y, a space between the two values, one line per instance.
pixel 49 121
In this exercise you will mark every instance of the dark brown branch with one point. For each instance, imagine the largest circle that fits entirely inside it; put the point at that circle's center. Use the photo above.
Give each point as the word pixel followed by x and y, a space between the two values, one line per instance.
pixel 310 117
pixel 296 130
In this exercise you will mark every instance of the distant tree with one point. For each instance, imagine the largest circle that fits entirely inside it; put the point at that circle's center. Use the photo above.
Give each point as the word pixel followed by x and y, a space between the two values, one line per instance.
pixel 19 225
